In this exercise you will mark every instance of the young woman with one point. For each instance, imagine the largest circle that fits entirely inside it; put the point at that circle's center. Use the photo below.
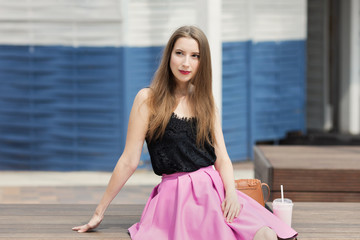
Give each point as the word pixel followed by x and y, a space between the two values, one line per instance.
pixel 178 119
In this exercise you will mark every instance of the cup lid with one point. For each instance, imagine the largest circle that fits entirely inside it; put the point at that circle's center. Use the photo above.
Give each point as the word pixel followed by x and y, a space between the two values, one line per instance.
pixel 287 201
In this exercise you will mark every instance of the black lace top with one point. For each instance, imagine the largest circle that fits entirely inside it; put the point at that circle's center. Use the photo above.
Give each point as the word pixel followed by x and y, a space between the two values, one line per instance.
pixel 177 151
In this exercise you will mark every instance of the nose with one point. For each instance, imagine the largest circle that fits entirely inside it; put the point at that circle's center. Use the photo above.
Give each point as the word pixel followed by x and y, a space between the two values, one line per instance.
pixel 186 62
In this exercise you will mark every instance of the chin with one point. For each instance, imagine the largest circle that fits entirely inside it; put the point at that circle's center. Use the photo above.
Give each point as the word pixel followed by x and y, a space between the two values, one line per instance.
pixel 183 80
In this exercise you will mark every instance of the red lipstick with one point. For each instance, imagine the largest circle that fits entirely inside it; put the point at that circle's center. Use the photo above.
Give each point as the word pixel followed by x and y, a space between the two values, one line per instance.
pixel 184 72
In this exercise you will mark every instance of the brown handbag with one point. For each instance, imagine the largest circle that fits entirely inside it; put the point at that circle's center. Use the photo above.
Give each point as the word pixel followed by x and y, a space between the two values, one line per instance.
pixel 253 188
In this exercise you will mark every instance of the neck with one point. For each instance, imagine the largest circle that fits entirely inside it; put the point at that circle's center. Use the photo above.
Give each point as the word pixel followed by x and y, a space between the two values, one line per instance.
pixel 182 90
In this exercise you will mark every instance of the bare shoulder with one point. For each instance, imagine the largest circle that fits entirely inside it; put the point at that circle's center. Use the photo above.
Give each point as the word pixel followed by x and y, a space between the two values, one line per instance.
pixel 141 102
pixel 143 95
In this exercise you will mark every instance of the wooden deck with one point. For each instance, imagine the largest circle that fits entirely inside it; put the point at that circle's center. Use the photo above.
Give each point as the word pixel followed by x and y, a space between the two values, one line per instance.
pixel 54 221
pixel 310 173
pixel 313 221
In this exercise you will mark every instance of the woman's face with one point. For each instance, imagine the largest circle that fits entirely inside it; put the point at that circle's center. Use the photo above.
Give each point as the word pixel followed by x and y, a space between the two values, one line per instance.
pixel 184 60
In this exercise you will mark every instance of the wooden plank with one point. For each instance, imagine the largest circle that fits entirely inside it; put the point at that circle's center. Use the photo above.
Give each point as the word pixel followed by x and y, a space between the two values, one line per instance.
pixel 312 220
pixel 327 220
pixel 316 180
pixel 55 221
pixel 318 196
pixel 69 210
pixel 313 157
pixel 323 170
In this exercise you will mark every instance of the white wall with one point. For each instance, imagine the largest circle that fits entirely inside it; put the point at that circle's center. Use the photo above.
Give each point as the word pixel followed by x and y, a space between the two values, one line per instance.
pixel 350 67
pixel 278 20
pixel 65 22
pixel 236 20
pixel 263 20
pixel 151 22
pixel 209 20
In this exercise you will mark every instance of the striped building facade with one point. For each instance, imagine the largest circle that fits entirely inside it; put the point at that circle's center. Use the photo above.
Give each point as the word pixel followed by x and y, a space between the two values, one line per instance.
pixel 69 71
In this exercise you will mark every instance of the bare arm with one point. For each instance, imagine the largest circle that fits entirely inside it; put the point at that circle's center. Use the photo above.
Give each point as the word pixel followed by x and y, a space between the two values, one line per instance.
pixel 129 160
pixel 231 205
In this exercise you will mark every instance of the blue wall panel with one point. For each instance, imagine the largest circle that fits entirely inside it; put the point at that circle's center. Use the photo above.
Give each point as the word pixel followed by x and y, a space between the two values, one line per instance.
pixel 65 108
pixel 140 64
pixel 88 109
pixel 61 107
pixel 235 99
pixel 277 89
pixel 25 106
pixel 263 93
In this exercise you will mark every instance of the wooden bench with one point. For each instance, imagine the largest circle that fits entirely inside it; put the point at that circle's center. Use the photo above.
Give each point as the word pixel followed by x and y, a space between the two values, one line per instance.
pixel 313 221
pixel 310 173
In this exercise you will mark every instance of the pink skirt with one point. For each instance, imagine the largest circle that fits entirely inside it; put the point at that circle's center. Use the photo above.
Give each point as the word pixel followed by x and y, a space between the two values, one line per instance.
pixel 186 206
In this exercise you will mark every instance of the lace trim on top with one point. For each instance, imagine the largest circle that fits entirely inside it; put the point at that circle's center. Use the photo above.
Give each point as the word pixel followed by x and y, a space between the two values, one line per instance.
pixel 186 119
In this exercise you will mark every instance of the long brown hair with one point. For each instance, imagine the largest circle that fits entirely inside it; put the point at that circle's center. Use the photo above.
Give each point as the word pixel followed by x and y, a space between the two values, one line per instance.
pixel 162 100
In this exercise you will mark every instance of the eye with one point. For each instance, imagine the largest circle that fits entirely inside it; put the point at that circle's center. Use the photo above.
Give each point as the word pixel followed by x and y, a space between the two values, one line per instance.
pixel 178 52
pixel 195 56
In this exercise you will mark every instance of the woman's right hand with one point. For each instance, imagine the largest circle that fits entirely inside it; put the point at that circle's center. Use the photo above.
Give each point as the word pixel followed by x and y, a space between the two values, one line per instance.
pixel 93 223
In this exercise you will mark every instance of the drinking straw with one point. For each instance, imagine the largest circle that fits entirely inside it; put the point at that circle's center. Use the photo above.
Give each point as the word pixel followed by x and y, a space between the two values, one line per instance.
pixel 282 193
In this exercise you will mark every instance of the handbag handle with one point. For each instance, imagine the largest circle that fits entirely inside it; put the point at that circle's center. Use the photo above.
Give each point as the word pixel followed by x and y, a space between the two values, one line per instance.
pixel 268 188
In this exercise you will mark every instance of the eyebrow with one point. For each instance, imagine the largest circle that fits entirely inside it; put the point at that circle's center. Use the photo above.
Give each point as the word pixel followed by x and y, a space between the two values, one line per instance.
pixel 179 49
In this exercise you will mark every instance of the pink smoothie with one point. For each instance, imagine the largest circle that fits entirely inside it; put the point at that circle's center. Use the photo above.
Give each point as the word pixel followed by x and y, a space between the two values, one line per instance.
pixel 283 210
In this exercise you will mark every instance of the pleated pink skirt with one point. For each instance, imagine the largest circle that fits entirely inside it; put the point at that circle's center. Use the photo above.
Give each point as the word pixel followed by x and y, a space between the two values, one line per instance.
pixel 187 206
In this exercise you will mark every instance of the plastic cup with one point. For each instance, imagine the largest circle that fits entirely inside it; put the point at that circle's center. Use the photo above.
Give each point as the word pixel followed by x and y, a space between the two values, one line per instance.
pixel 283 210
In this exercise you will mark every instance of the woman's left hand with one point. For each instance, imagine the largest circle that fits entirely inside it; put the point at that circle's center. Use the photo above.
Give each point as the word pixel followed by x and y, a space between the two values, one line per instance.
pixel 231 206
